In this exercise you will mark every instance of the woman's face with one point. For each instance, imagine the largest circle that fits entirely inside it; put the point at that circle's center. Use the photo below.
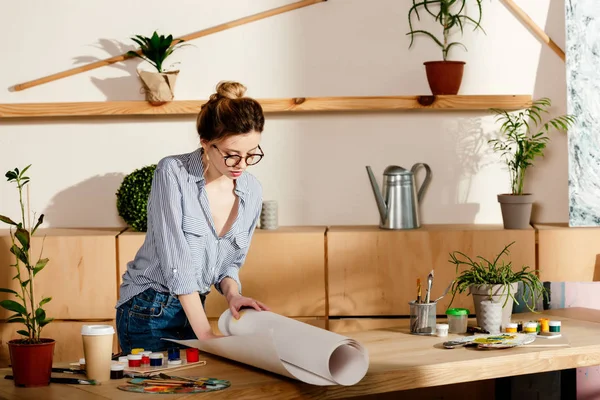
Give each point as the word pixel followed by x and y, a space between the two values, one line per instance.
pixel 225 153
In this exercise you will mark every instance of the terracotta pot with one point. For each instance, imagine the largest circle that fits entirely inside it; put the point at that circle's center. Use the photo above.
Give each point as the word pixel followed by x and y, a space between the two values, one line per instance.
pixel 516 210
pixel 31 363
pixel 444 77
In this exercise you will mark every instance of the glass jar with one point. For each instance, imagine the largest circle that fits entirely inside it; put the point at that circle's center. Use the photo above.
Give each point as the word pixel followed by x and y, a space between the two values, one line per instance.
pixel 457 320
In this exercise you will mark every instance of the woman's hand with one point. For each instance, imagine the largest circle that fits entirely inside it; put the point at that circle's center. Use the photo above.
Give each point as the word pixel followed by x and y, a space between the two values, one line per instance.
pixel 238 301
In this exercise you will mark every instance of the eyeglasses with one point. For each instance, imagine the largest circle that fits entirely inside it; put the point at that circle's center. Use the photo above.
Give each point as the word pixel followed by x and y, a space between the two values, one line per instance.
pixel 234 159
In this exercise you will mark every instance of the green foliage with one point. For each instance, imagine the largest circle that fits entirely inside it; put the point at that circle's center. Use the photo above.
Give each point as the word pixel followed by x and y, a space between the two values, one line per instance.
pixel 522 139
pixel 132 197
pixel 155 49
pixel 484 272
pixel 26 310
pixel 450 14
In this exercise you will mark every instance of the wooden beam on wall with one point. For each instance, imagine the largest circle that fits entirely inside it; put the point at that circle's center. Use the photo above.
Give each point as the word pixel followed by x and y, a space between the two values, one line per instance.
pixel 534 28
pixel 188 37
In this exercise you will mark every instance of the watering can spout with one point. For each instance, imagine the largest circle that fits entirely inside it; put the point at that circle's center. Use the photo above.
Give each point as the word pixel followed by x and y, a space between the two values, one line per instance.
pixel 378 197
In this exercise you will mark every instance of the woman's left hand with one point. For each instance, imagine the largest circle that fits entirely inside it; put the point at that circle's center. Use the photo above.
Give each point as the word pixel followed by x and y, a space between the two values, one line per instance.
pixel 237 302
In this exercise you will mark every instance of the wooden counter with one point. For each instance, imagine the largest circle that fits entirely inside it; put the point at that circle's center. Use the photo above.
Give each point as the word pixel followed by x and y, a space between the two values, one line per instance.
pixel 398 361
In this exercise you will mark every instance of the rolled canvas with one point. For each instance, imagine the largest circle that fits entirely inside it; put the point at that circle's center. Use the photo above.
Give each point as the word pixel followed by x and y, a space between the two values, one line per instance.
pixel 287 347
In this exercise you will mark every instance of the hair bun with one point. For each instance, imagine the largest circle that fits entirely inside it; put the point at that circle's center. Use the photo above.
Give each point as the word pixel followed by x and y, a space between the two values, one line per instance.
pixel 230 90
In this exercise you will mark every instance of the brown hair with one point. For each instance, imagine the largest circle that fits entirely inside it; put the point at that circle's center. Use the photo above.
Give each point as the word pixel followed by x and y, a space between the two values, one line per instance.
pixel 228 112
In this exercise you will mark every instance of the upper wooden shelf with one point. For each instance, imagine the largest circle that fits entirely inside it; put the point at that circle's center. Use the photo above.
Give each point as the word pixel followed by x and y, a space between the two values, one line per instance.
pixel 298 104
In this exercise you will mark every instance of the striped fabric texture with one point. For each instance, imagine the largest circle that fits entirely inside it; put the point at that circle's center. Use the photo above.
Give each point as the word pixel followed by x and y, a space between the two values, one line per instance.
pixel 182 252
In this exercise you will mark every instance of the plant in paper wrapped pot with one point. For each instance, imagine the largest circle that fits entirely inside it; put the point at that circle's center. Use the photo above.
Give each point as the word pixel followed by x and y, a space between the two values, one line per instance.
pixel 159 86
pixel 444 76
pixel 132 197
pixel 495 281
pixel 523 137
pixel 31 356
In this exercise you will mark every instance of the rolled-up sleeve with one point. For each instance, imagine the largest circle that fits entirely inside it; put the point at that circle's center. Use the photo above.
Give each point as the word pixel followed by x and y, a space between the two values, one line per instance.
pixel 165 216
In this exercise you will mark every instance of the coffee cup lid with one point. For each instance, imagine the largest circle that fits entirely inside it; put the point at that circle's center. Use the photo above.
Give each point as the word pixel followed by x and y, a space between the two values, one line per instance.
pixel 95 330
pixel 117 367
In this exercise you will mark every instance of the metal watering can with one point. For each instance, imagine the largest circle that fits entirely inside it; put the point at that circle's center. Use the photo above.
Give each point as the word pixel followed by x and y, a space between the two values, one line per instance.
pixel 398 202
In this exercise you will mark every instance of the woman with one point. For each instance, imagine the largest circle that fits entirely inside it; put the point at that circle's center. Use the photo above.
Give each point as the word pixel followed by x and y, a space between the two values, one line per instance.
pixel 202 212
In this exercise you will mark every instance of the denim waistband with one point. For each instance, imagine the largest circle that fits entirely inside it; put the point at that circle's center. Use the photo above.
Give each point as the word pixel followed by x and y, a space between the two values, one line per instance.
pixel 165 299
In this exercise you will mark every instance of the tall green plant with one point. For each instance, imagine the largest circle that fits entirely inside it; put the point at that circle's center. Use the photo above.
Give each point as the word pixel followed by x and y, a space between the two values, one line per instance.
pixel 156 49
pixel 523 137
pixel 450 14
pixel 481 271
pixel 27 310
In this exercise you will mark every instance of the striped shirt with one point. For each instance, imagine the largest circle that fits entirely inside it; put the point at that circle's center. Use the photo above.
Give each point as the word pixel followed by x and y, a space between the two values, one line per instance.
pixel 182 252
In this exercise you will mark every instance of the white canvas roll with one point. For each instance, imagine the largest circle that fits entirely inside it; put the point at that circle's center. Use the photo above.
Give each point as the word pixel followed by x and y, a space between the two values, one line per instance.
pixel 288 347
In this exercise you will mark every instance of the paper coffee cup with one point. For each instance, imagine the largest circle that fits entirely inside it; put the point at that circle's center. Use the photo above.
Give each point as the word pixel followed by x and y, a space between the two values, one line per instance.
pixel 97 350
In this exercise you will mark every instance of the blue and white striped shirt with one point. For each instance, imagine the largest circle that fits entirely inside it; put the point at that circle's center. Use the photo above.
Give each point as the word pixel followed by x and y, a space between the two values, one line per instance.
pixel 182 252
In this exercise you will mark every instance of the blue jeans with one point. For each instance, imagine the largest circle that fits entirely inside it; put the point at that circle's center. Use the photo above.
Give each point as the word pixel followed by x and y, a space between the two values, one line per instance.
pixel 149 317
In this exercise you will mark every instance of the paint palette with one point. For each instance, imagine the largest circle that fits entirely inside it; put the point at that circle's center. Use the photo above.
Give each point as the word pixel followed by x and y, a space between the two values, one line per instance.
pixel 143 385
pixel 491 341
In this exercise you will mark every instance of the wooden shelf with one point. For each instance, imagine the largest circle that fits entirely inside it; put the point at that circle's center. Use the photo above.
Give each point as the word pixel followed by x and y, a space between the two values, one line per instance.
pixel 298 104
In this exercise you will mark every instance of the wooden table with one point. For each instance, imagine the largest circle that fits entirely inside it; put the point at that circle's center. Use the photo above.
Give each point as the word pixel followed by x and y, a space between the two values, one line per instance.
pixel 398 361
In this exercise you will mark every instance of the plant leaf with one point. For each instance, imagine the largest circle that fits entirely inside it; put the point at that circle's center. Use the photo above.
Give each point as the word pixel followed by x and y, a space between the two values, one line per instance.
pixel 4 290
pixel 40 265
pixel 45 300
pixel 22 332
pixel 7 220
pixel 20 254
pixel 22 236
pixel 38 223
pixel 12 305
pixel 45 322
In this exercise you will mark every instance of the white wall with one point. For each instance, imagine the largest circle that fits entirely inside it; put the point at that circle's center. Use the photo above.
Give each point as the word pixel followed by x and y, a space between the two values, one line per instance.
pixel 315 163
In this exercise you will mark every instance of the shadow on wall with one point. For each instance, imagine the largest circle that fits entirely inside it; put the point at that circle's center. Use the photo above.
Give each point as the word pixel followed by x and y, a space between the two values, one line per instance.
pixel 120 88
pixel 548 179
pixel 89 203
pixel 467 140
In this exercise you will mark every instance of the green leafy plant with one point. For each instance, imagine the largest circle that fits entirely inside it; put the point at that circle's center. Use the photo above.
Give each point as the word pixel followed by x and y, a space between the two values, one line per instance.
pixel 155 49
pixel 27 310
pixel 132 197
pixel 481 271
pixel 450 14
pixel 523 137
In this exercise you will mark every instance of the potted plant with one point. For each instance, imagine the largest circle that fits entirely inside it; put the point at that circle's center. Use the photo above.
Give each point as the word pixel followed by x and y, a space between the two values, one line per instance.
pixel 445 76
pixel 132 197
pixel 31 357
pixel 494 281
pixel 159 86
pixel 523 137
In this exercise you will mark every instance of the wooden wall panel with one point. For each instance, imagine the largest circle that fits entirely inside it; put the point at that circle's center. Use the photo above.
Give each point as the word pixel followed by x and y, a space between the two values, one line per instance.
pixel 284 269
pixel 80 276
pixel 374 272
pixel 348 325
pixel 67 334
pixel 568 254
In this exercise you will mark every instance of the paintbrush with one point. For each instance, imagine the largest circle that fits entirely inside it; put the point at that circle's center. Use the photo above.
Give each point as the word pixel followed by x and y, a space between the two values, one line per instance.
pixel 68 381
pixel 429 284
pixel 418 290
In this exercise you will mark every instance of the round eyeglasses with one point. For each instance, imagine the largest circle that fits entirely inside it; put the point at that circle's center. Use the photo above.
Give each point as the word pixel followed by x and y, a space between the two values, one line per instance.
pixel 234 159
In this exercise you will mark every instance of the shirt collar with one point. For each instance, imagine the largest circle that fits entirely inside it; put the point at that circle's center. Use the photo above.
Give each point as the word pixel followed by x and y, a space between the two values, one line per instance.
pixel 196 169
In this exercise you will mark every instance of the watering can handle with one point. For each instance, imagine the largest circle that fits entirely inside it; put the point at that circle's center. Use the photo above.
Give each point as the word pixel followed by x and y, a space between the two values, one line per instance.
pixel 426 181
